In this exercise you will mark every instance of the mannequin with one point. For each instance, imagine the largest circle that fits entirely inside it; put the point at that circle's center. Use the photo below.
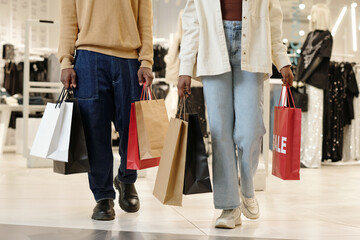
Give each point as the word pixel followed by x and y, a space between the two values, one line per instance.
pixel 313 68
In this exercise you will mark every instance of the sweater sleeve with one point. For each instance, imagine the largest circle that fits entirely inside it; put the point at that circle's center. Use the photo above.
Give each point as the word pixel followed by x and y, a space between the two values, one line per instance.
pixel 145 23
pixel 68 33
pixel 278 49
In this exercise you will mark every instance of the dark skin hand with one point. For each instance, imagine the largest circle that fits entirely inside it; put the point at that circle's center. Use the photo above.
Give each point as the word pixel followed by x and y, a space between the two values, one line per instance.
pixel 68 77
pixel 184 84
pixel 288 76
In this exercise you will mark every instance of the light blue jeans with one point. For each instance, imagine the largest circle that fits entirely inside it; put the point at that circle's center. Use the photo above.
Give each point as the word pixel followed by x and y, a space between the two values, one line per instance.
pixel 235 109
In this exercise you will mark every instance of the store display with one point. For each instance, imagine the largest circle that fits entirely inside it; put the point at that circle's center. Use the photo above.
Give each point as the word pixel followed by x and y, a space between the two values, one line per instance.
pixel 13 77
pixel 313 71
pixel 160 90
pixel 338 109
pixel 351 146
pixel 312 129
pixel 8 52
pixel 159 62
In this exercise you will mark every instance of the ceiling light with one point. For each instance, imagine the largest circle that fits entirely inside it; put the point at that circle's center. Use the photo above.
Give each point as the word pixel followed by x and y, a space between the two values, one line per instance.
pixel 338 21
pixel 353 21
pixel 309 17
pixel 285 40
pixel 302 6
pixel 301 32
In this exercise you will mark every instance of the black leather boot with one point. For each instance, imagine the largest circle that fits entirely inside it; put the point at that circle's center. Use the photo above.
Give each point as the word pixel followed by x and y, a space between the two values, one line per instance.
pixel 128 197
pixel 104 210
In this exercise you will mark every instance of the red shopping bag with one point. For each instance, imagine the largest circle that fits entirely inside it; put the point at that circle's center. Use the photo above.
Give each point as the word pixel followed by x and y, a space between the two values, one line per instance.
pixel 133 156
pixel 286 140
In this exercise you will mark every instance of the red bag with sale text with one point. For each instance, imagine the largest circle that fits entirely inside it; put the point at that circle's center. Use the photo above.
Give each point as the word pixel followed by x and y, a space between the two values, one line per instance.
pixel 133 156
pixel 286 139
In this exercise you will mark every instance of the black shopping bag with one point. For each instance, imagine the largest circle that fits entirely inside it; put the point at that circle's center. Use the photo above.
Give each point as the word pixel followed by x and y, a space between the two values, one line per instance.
pixel 196 179
pixel 78 155
pixel 300 98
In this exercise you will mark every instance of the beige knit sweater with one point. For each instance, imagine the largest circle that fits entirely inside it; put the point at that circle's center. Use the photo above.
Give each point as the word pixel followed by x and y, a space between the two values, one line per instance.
pixel 121 28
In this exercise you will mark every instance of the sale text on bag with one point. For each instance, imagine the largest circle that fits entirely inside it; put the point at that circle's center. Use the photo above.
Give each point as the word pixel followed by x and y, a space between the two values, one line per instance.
pixel 279 144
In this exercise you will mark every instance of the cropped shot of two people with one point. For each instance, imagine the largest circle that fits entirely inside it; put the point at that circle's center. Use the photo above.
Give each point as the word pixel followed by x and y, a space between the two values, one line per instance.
pixel 106 55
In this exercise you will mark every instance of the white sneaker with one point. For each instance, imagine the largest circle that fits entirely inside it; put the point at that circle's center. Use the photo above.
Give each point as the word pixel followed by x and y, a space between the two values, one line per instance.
pixel 229 218
pixel 249 207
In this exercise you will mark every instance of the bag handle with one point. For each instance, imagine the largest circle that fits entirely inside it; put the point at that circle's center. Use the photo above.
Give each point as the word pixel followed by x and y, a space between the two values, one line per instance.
pixel 146 93
pixel 287 93
pixel 182 108
pixel 62 97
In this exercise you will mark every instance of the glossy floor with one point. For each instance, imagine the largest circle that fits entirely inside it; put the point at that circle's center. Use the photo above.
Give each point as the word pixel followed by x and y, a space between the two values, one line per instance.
pixel 325 204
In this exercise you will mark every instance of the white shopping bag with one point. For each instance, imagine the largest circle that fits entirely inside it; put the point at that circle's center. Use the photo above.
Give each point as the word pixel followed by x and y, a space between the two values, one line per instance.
pixel 53 136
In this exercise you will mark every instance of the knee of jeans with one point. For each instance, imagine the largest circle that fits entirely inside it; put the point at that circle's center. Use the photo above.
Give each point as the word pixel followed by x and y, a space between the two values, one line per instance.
pixel 220 135
pixel 248 137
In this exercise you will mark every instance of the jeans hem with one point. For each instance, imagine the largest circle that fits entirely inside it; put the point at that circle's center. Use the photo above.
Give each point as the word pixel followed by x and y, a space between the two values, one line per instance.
pixel 127 180
pixel 227 207
pixel 105 196
pixel 104 199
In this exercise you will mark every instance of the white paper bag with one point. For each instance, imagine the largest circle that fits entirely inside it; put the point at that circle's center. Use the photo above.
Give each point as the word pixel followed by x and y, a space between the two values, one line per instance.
pixel 53 136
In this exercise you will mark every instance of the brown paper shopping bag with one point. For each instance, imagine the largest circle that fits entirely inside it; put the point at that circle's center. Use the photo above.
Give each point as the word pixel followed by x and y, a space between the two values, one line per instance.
pixel 170 176
pixel 152 124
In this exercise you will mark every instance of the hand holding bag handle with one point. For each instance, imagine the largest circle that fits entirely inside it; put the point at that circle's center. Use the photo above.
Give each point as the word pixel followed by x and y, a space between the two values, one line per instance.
pixel 287 93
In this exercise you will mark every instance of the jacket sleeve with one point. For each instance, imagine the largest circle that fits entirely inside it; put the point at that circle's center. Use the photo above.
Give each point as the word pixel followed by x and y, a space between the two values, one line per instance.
pixel 68 33
pixel 145 22
pixel 190 40
pixel 278 49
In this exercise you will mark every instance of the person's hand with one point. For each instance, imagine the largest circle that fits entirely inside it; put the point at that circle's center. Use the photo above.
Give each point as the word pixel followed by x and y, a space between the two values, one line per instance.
pixel 145 76
pixel 68 78
pixel 184 85
pixel 288 76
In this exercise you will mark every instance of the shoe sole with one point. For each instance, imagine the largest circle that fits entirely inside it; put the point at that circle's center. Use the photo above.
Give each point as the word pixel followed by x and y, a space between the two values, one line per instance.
pixel 227 225
pixel 121 206
pixel 103 217
pixel 248 214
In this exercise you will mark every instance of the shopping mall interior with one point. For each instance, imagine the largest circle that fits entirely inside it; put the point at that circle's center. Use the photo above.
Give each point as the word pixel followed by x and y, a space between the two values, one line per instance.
pixel 39 204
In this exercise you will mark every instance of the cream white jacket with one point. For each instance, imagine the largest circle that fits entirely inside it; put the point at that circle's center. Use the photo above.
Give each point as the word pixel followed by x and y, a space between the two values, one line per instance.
pixel 203 46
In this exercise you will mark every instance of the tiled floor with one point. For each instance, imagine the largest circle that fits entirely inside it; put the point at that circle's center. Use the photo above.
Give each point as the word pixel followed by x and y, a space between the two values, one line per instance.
pixel 325 204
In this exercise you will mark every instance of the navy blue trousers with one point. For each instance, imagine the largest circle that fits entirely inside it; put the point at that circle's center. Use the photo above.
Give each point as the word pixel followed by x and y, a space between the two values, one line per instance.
pixel 106 87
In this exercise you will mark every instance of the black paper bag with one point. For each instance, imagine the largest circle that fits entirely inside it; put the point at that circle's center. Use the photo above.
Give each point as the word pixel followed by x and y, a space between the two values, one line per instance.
pixel 78 155
pixel 300 98
pixel 197 179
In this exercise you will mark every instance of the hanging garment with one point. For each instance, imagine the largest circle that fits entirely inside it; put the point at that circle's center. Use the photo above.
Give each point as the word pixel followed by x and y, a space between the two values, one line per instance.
pixel 351 89
pixel 351 148
pixel 13 77
pixel 334 120
pixel 312 129
pixel 318 44
pixel 159 62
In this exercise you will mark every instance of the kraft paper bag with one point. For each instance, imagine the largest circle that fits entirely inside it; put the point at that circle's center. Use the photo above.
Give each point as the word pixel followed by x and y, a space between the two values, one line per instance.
pixel 169 182
pixel 152 124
